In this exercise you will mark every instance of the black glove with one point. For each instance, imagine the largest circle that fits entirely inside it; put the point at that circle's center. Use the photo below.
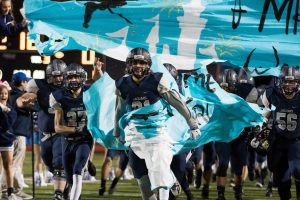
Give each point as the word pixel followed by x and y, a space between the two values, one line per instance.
pixel 81 130
pixel 261 141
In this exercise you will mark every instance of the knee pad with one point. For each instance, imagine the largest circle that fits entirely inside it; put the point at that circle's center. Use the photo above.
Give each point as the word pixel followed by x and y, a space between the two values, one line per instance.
pixel 222 171
pixel 59 174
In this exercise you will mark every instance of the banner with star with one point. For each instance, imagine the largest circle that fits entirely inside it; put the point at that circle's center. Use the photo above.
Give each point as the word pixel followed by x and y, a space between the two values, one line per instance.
pixel 250 33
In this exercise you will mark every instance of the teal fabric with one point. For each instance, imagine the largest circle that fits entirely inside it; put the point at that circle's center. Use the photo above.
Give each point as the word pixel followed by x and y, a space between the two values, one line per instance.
pixel 185 32
pixel 222 118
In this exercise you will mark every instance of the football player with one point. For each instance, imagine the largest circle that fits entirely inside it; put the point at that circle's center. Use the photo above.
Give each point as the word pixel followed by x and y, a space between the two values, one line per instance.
pixel 236 150
pixel 51 147
pixel 71 121
pixel 138 89
pixel 283 156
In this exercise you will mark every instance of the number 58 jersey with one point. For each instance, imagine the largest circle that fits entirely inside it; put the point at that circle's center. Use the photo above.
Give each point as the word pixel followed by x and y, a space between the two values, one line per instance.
pixel 286 116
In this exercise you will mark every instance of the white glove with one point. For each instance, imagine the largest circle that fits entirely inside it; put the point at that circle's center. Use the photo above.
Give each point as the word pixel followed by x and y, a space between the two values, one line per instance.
pixel 195 133
pixel 254 143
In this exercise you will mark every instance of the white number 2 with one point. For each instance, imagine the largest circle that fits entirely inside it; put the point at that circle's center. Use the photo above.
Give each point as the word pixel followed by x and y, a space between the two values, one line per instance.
pixel 76 118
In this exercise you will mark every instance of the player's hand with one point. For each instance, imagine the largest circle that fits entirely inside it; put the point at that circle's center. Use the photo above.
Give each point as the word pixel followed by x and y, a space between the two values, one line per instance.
pixel 98 65
pixel 98 69
pixel 195 133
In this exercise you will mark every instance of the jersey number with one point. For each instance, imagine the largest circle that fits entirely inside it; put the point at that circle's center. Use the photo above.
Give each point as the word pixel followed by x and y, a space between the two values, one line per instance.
pixel 139 104
pixel 286 121
pixel 76 118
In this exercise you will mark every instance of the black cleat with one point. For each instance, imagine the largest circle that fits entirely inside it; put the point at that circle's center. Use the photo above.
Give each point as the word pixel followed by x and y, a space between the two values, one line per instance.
pixel 269 190
pixel 238 192
pixel 58 196
pixel 189 195
pixel 101 191
pixel 66 192
pixel 205 192
pixel 171 196
pixel 111 191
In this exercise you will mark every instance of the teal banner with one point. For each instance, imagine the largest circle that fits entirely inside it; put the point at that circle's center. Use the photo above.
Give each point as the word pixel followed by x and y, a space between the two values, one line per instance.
pixel 222 116
pixel 250 33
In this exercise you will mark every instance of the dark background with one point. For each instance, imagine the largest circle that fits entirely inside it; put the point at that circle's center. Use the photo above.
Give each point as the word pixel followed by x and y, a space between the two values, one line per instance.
pixel 15 59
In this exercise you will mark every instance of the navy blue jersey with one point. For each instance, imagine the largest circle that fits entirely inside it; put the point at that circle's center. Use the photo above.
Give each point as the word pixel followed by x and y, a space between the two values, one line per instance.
pixel 286 116
pixel 23 125
pixel 139 95
pixel 7 28
pixel 46 114
pixel 7 120
pixel 73 108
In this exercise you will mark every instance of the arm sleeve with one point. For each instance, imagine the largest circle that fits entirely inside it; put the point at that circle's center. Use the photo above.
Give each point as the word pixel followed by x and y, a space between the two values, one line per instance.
pixel 53 102
pixel 119 112
pixel 174 99
pixel 252 96
pixel 32 87
pixel 263 100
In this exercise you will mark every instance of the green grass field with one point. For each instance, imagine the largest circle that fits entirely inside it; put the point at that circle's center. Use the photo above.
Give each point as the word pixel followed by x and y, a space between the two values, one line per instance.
pixel 128 190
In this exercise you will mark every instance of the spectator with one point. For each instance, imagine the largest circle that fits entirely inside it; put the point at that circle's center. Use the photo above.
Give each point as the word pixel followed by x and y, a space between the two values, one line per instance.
pixel 22 129
pixel 7 118
pixel 8 27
